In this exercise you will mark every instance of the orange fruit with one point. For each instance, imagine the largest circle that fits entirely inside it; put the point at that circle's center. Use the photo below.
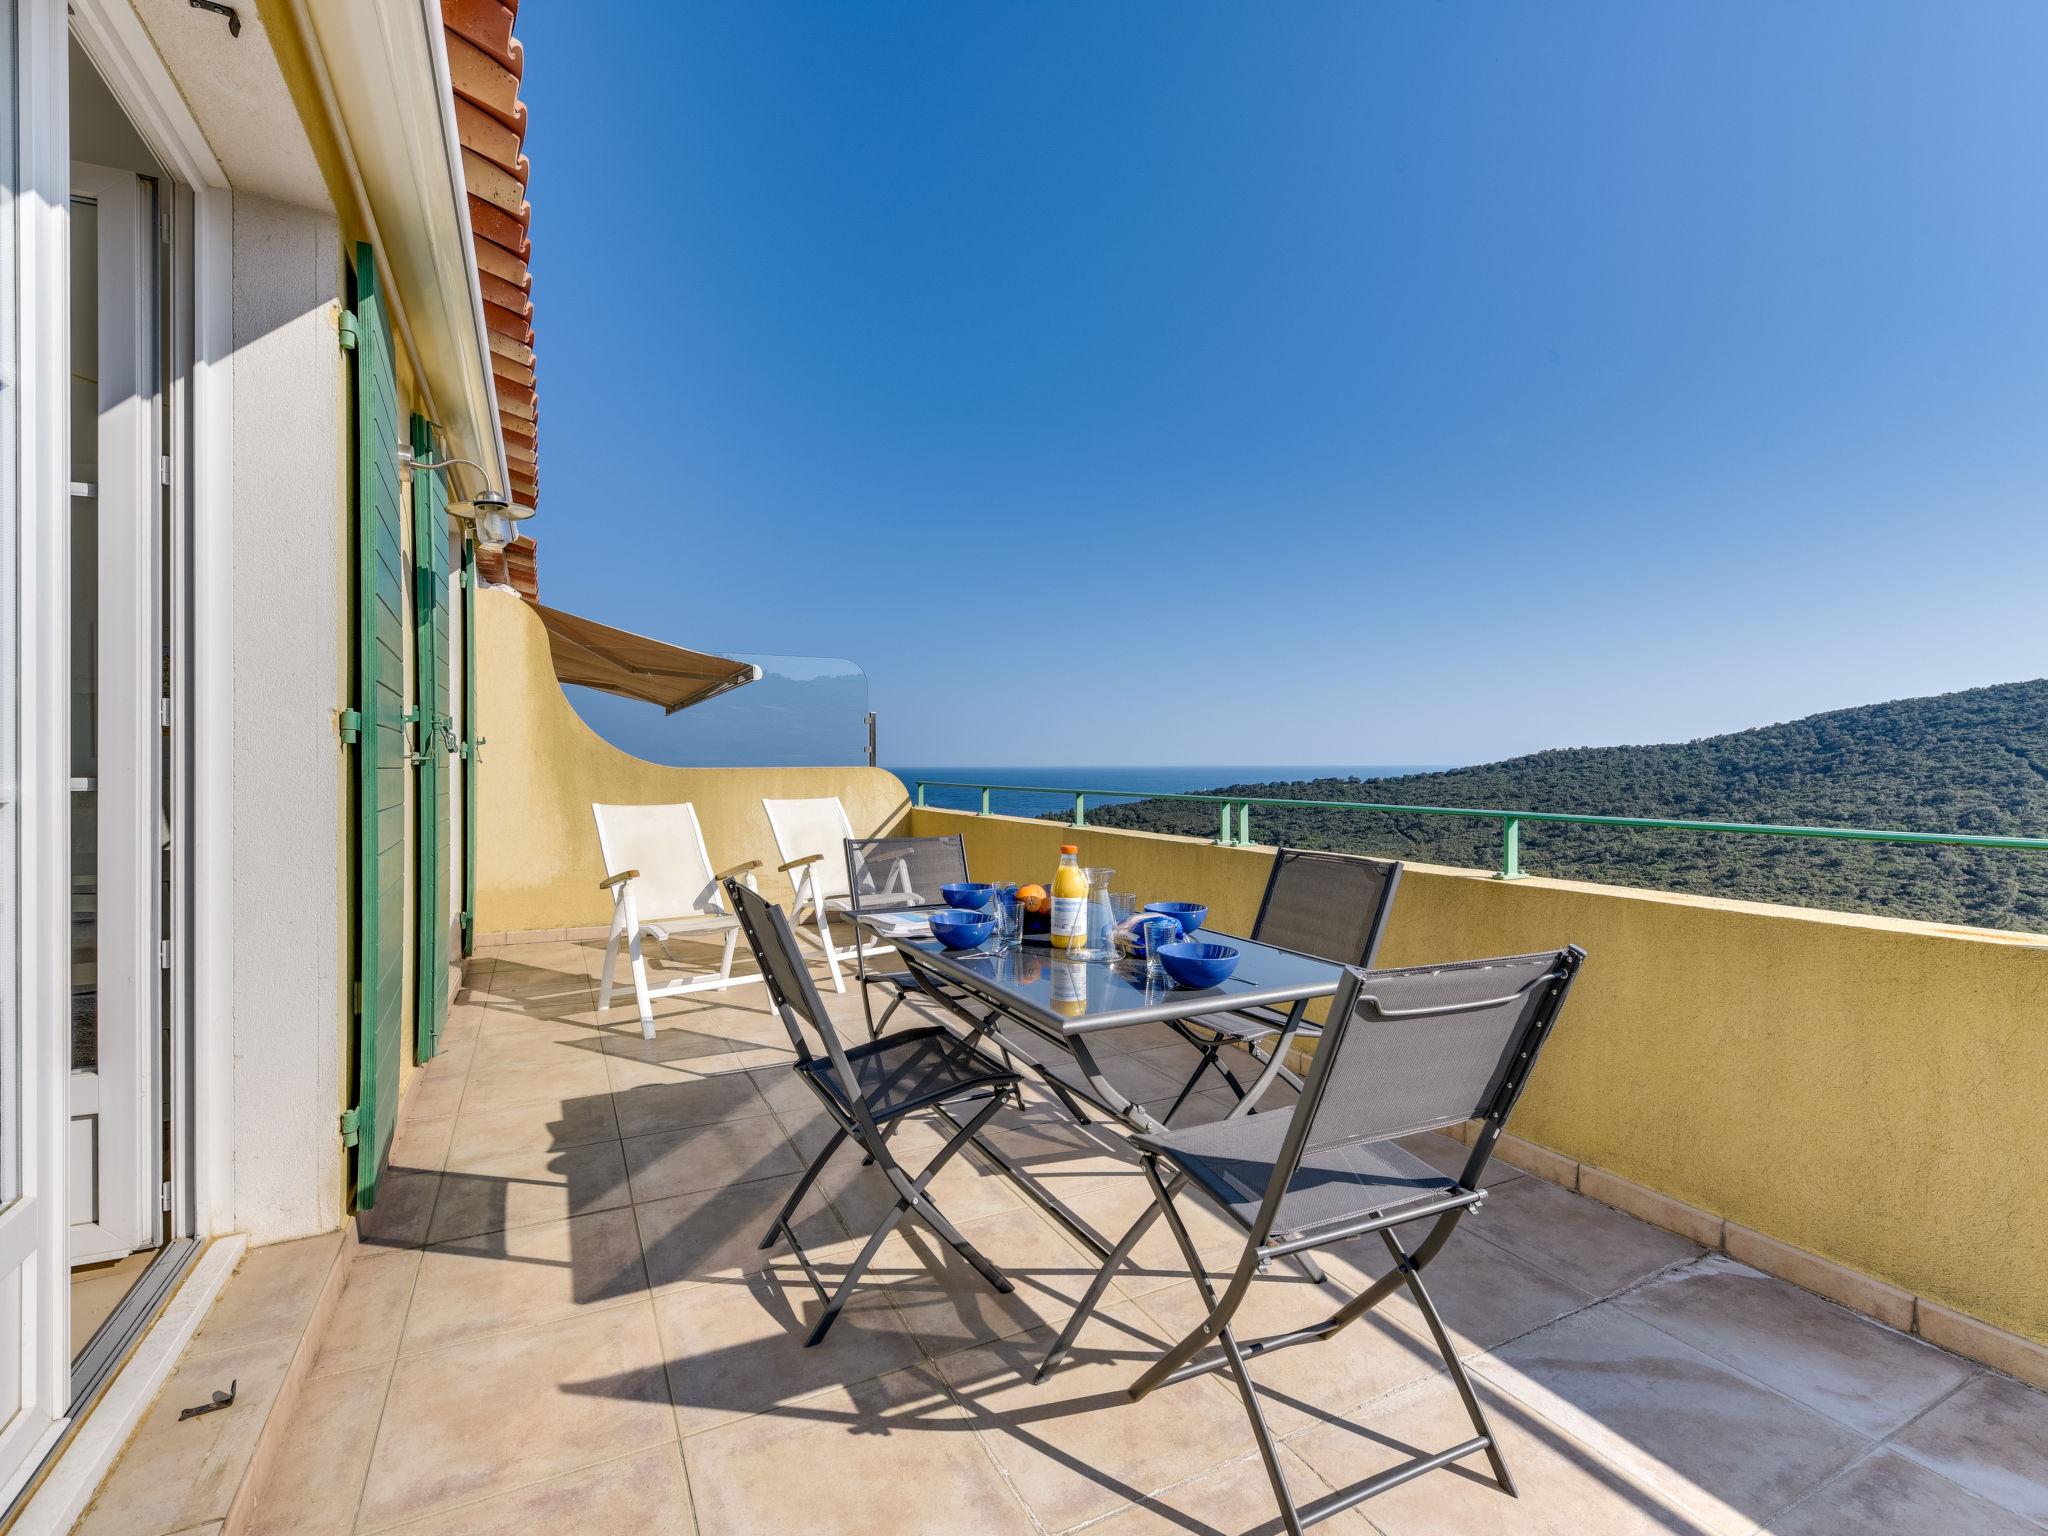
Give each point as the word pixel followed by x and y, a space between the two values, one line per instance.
pixel 1034 898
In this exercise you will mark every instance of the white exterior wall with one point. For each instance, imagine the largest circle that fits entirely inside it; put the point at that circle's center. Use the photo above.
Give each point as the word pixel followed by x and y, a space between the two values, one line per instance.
pixel 290 673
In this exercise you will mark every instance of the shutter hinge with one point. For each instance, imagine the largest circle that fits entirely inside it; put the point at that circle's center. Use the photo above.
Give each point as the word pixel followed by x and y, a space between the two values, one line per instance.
pixel 163 233
pixel 345 330
pixel 163 469
pixel 163 713
pixel 350 723
pixel 163 954
pixel 351 1120
pixel 164 1197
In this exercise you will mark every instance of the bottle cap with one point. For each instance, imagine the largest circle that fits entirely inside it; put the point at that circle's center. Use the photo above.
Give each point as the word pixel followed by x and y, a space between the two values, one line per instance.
pixel 1068 848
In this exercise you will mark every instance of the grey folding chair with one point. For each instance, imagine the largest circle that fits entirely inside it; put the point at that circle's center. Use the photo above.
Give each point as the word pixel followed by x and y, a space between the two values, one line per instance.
pixel 1402 1051
pixel 866 1091
pixel 897 874
pixel 1330 905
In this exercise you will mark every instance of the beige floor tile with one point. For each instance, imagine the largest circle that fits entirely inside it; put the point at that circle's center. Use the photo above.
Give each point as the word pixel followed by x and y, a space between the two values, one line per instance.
pixel 892 1454
pixel 548 1085
pixel 271 1295
pixel 1857 1372
pixel 421 1142
pixel 786 1092
pixel 1447 1155
pixel 1565 1489
pixel 1893 1495
pixel 1138 1079
pixel 314 1484
pixel 435 1096
pixel 491 1191
pixel 644 1494
pixel 1076 1446
pixel 530 1275
pixel 948 1303
pixel 1310 1383
pixel 673 1105
pixel 1235 1497
pixel 1111 1205
pixel 715 1234
pixel 403 1212
pixel 1061 1154
pixel 369 1319
pixel 1704 1436
pixel 1580 1241
pixel 505 1053
pixel 97 1289
pixel 174 1475
pixel 502 1412
pixel 699 1033
pixel 697 1157
pixel 1991 1437
pixel 738 1348
pixel 531 1128
pixel 1484 1294
pixel 966 1189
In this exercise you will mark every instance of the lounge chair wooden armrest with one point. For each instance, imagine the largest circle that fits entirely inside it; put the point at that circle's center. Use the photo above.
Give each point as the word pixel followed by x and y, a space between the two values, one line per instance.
pixel 736 871
pixel 618 879
pixel 809 858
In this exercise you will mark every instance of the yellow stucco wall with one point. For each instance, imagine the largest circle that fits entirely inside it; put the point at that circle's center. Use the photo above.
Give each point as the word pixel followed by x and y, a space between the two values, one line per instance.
pixel 1864 1089
pixel 537 865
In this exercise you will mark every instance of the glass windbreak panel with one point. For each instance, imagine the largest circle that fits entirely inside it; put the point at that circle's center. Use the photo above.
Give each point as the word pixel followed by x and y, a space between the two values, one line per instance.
pixel 802 712
pixel 85 565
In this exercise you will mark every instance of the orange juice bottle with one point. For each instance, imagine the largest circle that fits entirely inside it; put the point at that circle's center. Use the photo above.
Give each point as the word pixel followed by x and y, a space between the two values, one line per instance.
pixel 1069 901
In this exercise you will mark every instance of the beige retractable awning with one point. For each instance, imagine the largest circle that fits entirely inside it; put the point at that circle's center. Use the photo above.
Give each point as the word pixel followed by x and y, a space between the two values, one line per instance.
pixel 595 655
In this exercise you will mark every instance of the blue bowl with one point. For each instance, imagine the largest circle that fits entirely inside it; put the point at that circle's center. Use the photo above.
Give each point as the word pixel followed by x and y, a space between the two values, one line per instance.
pixel 1198 965
pixel 968 896
pixel 1189 914
pixel 962 930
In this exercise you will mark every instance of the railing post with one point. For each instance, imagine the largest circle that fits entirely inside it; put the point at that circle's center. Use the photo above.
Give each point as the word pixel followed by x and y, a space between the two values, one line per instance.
pixel 1244 824
pixel 984 801
pixel 1510 848
pixel 1223 832
pixel 1080 810
pixel 920 793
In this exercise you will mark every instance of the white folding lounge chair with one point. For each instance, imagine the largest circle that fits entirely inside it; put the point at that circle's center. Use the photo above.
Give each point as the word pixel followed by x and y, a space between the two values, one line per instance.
pixel 663 887
pixel 811 836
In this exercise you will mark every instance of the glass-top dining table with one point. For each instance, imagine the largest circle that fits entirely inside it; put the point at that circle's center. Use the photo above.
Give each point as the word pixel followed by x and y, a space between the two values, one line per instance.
pixel 1050 1011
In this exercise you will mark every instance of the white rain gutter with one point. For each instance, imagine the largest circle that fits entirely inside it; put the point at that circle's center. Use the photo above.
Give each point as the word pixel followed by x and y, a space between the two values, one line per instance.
pixel 381 67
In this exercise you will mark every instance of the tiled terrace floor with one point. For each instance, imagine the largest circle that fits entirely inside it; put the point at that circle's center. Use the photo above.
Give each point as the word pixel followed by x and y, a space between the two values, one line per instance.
pixel 560 1321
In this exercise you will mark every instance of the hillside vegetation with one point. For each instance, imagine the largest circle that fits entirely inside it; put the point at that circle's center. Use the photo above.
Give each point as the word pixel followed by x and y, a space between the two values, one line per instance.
pixel 1975 761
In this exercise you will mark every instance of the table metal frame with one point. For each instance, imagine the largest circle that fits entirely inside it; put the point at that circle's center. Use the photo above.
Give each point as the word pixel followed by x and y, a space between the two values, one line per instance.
pixel 944 980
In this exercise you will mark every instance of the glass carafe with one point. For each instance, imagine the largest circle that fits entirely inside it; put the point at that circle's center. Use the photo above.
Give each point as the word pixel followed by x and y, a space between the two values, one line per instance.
pixel 1099 942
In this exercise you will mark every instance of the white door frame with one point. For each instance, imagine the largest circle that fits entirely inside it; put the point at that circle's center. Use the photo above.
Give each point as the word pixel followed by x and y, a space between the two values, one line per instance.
pixel 123 1092
pixel 34 1226
pixel 202 602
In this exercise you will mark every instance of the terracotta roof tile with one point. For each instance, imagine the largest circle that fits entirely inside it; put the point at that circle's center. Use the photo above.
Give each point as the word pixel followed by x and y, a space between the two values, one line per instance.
pixel 485 64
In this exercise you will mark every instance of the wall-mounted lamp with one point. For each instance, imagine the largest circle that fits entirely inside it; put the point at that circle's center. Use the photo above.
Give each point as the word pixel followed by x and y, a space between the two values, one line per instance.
pixel 491 512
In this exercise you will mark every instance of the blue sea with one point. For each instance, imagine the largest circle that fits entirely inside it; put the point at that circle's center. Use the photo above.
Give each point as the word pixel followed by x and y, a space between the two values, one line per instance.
pixel 1144 781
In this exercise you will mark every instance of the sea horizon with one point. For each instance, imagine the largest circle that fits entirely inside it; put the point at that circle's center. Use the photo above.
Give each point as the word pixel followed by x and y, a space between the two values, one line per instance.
pixel 1141 780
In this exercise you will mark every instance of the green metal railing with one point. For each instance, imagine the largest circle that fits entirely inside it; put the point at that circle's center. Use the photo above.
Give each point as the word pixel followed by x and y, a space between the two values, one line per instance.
pixel 1234 827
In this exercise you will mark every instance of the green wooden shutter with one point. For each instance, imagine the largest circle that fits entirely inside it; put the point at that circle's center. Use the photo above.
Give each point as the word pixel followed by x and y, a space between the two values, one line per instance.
pixel 435 737
pixel 381 745
pixel 472 747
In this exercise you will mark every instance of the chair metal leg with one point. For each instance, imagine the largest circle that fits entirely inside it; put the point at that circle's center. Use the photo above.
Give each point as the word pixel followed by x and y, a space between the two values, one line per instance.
pixel 803 1186
pixel 910 1197
pixel 1406 1266
pixel 1118 1256
pixel 1269 1453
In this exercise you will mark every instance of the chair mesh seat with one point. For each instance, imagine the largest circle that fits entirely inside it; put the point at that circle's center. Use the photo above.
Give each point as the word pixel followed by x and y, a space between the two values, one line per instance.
pixel 902 1072
pixel 1233 1160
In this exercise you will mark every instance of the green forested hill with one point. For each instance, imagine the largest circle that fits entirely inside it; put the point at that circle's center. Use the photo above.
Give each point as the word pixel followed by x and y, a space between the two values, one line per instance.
pixel 1974 761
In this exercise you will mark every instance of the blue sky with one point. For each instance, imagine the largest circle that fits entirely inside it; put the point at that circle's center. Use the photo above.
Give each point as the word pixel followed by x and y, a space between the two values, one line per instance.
pixel 1197 383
